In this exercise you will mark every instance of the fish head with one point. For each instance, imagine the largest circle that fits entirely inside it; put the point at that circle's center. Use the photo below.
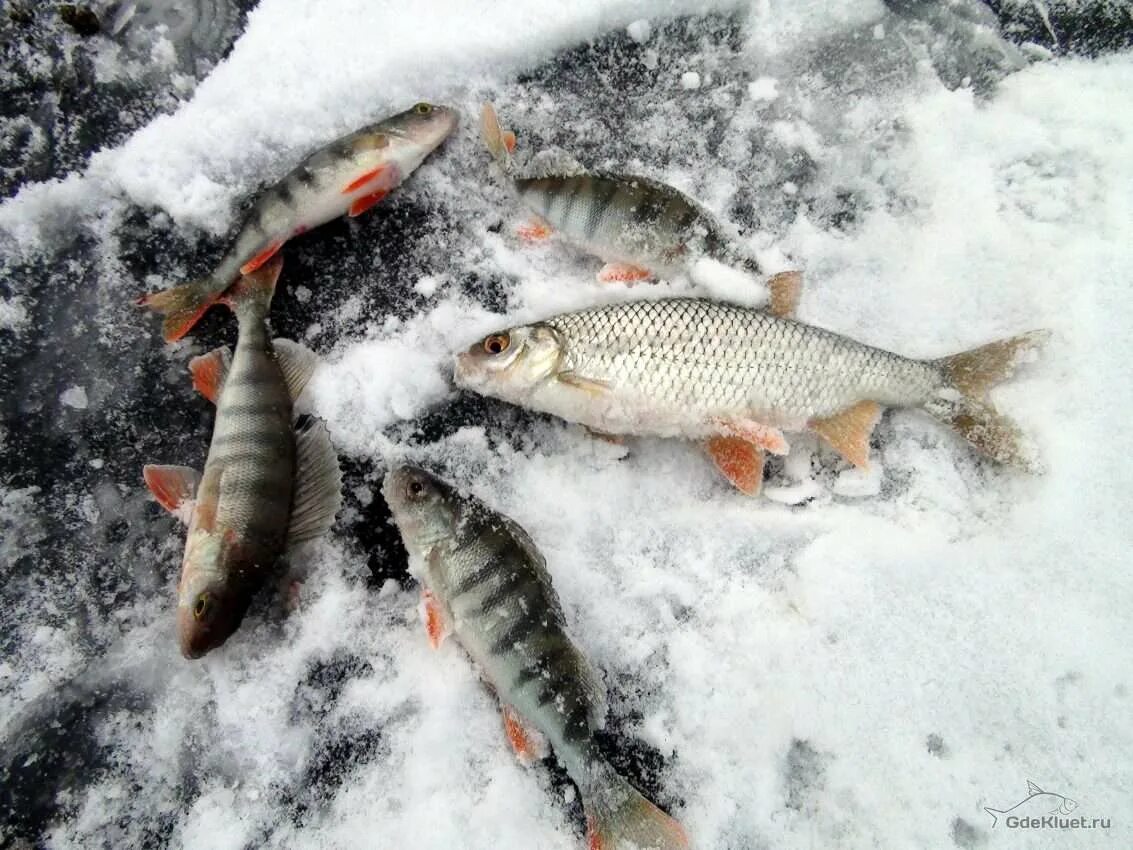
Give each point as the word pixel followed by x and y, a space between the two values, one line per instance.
pixel 423 126
pixel 511 364
pixel 210 605
pixel 426 509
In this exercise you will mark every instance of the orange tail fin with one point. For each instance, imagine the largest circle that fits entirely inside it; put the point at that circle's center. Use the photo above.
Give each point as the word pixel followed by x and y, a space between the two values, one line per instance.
pixel 182 306
pixel 631 822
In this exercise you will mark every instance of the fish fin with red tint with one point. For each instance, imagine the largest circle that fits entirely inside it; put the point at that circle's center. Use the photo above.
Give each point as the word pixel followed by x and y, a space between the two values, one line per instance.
pixel 172 486
pixel 209 371
pixel 740 461
pixel 848 431
pixel 623 273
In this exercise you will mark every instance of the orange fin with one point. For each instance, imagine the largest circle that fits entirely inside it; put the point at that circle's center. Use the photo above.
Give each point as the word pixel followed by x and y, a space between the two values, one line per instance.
pixel 762 436
pixel 784 289
pixel 172 486
pixel 528 744
pixel 436 623
pixel 209 371
pixel 848 432
pixel 509 140
pixel 262 257
pixel 635 822
pixel 182 306
pixel 741 462
pixel 622 273
pixel 384 177
pixel 536 230
pixel 360 205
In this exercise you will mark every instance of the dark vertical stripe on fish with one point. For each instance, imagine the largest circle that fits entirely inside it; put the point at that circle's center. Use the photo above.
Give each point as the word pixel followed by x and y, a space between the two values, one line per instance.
pixel 603 197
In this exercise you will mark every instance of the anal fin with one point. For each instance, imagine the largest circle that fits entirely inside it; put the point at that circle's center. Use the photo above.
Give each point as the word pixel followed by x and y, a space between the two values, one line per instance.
pixel 784 289
pixel 740 461
pixel 262 257
pixel 528 744
pixel 848 431
pixel 535 230
pixel 209 371
pixel 623 273
pixel 297 362
pixel 172 486
pixel 318 483
pixel 360 205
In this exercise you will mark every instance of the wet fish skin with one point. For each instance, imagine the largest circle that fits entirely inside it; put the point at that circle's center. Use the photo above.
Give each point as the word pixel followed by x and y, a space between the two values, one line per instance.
pixel 345 177
pixel 622 218
pixel 698 369
pixel 495 592
pixel 266 484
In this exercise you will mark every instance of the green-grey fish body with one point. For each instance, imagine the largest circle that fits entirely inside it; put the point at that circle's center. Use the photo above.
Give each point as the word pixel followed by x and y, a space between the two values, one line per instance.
pixel 629 219
pixel 494 590
pixel 694 368
pixel 345 177
pixel 266 486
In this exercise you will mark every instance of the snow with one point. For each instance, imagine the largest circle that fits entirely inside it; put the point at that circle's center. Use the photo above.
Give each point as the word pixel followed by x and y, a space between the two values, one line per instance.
pixel 859 659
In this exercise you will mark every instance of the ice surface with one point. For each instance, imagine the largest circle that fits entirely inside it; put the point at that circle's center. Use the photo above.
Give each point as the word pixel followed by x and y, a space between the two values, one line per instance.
pixel 861 660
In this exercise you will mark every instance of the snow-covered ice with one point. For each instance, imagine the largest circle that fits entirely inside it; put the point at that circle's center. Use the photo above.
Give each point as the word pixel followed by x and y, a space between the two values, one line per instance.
pixel 859 660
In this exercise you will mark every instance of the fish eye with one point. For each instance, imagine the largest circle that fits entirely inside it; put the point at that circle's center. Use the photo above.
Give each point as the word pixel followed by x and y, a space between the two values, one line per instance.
pixel 201 606
pixel 497 343
pixel 423 108
pixel 414 490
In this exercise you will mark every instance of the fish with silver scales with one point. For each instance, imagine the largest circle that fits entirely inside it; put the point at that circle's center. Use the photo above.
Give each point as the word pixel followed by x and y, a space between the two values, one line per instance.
pixel 487 584
pixel 267 484
pixel 737 378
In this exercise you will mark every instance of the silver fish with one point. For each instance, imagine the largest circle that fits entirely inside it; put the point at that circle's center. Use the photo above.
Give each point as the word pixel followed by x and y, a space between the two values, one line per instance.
pixel 346 177
pixel 266 486
pixel 738 378
pixel 640 226
pixel 488 585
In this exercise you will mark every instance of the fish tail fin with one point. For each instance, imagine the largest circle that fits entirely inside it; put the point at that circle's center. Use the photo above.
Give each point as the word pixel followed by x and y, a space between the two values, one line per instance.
pixel 499 142
pixel 995 813
pixel 618 817
pixel 253 291
pixel 182 306
pixel 962 402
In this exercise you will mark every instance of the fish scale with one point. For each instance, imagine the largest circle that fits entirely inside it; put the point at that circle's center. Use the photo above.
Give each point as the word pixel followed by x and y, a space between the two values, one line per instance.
pixel 706 357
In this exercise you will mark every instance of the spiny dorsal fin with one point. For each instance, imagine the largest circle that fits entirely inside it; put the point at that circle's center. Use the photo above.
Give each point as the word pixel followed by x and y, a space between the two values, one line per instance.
pixel 297 362
pixel 848 431
pixel 209 371
pixel 784 291
pixel 172 486
pixel 318 483
pixel 1032 788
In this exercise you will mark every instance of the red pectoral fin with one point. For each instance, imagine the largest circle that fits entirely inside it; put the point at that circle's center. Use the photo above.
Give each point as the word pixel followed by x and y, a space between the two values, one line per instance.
pixel 172 486
pixel 382 175
pixel 741 462
pixel 436 624
pixel 763 436
pixel 261 257
pixel 623 273
pixel 535 230
pixel 360 205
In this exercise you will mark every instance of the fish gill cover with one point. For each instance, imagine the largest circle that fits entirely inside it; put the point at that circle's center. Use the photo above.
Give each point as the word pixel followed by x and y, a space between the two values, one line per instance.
pixel 946 174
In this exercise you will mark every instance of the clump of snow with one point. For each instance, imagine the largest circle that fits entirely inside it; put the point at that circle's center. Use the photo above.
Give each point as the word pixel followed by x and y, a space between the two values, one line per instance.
pixel 765 89
pixel 640 30
pixel 690 80
pixel 75 397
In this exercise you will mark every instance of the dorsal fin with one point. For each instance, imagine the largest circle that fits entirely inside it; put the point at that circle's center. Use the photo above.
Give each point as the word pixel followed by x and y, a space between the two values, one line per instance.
pixel 318 483
pixel 784 290
pixel 209 371
pixel 1032 788
pixel 297 362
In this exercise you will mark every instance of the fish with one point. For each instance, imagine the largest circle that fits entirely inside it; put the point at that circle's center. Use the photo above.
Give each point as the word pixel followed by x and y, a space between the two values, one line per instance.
pixel 736 379
pixel 1036 804
pixel 641 227
pixel 268 483
pixel 487 585
pixel 346 177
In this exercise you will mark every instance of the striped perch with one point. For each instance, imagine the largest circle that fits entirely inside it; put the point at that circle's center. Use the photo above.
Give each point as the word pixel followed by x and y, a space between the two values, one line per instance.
pixel 266 486
pixel 640 227
pixel 488 585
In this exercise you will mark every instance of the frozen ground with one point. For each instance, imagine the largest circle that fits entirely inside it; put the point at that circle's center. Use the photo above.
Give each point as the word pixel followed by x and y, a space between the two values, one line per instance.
pixel 857 661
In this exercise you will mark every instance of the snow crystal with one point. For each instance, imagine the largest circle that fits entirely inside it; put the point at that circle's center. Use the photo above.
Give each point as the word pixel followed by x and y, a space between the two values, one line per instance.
pixel 765 88
pixel 75 397
pixel 640 30
pixel 690 80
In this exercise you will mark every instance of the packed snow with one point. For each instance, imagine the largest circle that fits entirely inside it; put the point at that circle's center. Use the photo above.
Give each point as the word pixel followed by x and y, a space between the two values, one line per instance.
pixel 859 659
